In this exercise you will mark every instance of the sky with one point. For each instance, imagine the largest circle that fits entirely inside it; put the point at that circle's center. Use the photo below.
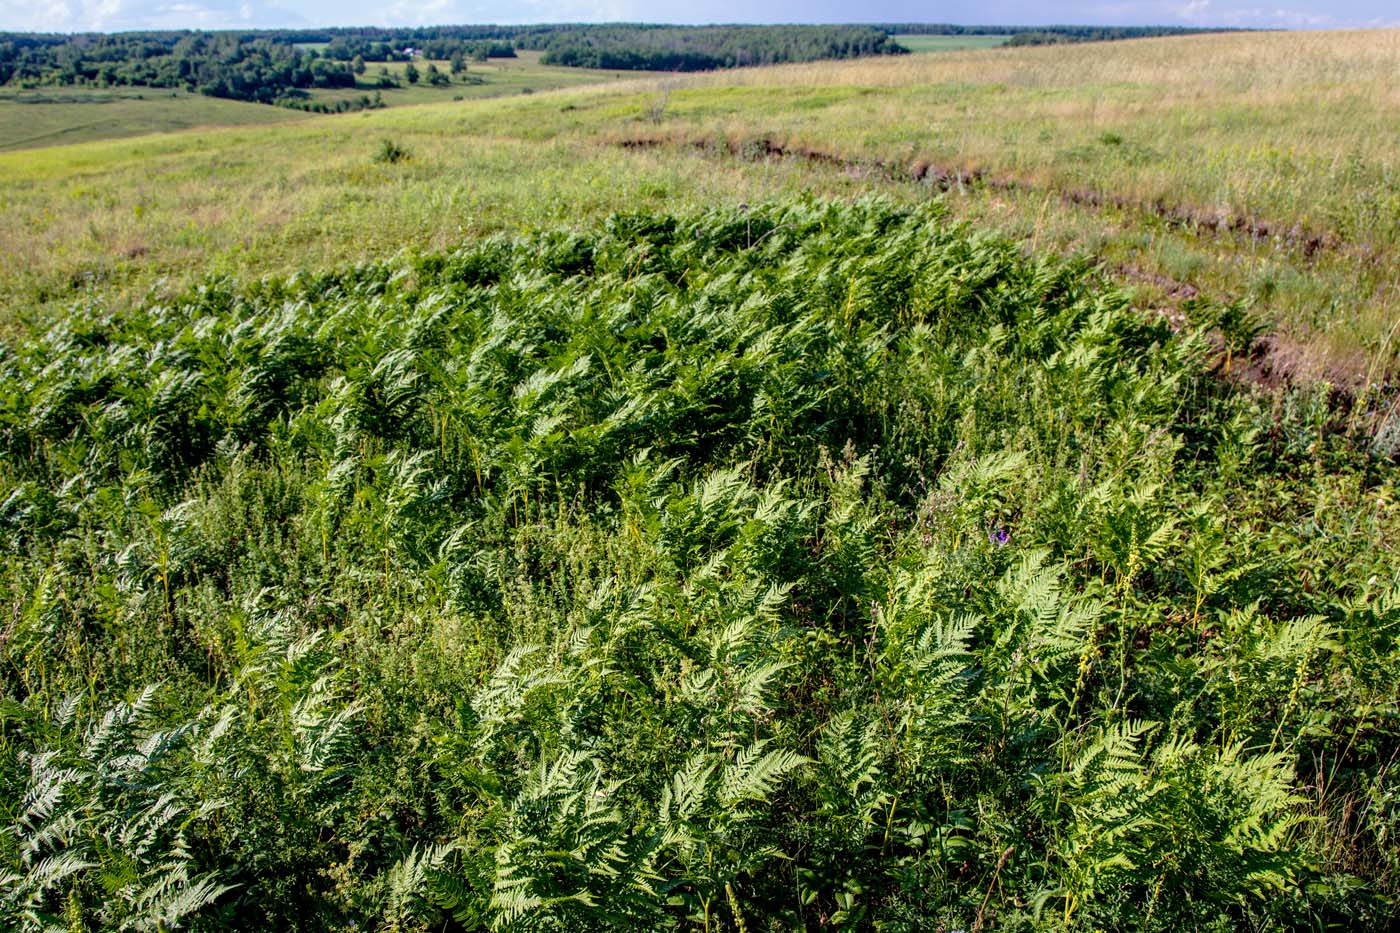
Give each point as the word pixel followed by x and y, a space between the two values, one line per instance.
pixel 113 15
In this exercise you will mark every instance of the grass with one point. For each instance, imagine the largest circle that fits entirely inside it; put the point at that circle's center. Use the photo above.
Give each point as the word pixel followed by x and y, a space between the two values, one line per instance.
pixel 950 43
pixel 498 77
pixel 52 116
pixel 1134 153
pixel 62 116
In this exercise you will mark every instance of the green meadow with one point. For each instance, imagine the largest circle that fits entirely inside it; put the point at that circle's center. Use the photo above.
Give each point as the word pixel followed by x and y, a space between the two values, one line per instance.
pixel 950 43
pixel 55 116
pixel 947 492
pixel 49 116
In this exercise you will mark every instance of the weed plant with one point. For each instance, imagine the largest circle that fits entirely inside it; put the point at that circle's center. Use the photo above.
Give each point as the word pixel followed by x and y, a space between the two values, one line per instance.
pixel 801 567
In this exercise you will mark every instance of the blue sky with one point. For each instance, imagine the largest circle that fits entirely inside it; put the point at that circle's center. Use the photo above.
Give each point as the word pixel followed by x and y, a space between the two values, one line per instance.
pixel 106 15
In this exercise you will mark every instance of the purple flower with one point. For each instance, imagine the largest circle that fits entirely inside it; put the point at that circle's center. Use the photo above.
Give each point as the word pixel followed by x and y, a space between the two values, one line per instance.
pixel 998 536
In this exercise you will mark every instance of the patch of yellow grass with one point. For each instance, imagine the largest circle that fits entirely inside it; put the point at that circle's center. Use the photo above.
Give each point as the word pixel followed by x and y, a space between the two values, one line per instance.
pixel 1206 65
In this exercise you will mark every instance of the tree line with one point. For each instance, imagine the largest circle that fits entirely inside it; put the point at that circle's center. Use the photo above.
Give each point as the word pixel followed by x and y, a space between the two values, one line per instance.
pixel 281 66
pixel 1040 35
pixel 250 67
pixel 394 48
pixel 702 49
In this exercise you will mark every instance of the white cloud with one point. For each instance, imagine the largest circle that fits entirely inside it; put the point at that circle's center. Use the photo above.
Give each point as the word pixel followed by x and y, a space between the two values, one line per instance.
pixel 1297 19
pixel 1315 15
pixel 1256 16
pixel 428 12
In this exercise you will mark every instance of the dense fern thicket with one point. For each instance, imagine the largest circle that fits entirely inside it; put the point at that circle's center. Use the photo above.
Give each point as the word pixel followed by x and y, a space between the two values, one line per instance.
pixel 805 567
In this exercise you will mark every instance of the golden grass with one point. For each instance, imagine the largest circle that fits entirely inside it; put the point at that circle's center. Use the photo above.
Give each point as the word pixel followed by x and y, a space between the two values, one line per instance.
pixel 1208 65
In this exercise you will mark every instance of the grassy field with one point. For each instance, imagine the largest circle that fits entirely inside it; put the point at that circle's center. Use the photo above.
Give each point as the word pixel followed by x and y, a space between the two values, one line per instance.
pixel 1186 166
pixel 498 77
pixel 908 494
pixel 950 43
pixel 54 116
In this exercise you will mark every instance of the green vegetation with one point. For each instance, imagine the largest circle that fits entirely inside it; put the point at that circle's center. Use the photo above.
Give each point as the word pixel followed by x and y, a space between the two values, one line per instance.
pixel 434 42
pixel 934 492
pixel 950 43
pixel 53 116
pixel 771 568
pixel 281 67
pixel 691 48
pixel 1183 166
pixel 239 66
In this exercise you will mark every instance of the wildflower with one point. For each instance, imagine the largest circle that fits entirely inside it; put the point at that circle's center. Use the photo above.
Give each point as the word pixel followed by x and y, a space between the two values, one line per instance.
pixel 998 536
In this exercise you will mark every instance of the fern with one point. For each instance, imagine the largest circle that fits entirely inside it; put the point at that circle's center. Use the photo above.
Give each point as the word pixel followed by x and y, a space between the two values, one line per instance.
pixel 98 807
pixel 816 564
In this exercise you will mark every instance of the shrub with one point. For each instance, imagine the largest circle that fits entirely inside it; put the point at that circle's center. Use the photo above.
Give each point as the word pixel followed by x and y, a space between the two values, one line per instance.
pixel 391 153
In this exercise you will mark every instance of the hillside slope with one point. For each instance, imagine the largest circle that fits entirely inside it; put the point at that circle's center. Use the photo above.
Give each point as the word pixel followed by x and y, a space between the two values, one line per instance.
pixel 715 504
pixel 1247 167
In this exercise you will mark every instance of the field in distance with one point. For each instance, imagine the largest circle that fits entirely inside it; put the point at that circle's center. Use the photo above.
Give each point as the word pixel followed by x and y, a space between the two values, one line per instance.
pixel 497 77
pixel 59 115
pixel 950 43
pixel 52 116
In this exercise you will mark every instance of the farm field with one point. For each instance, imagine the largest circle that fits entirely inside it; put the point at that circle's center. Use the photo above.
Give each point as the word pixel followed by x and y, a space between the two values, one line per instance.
pixel 52 116
pixel 950 43
pixel 958 491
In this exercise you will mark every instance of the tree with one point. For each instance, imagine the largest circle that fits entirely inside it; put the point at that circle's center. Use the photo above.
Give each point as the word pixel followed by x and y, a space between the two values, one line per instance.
pixel 411 73
pixel 357 65
pixel 459 64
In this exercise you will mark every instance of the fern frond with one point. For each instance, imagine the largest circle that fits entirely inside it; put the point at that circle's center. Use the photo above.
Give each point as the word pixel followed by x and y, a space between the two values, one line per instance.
pixel 754 774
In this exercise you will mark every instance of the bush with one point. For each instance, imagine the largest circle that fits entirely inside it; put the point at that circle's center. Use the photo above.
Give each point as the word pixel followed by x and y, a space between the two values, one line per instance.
pixel 391 153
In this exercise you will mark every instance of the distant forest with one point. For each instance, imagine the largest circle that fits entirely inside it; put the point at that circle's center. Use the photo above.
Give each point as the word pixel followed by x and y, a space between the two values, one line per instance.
pixel 282 66
pixel 689 49
pixel 262 67
pixel 1057 33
